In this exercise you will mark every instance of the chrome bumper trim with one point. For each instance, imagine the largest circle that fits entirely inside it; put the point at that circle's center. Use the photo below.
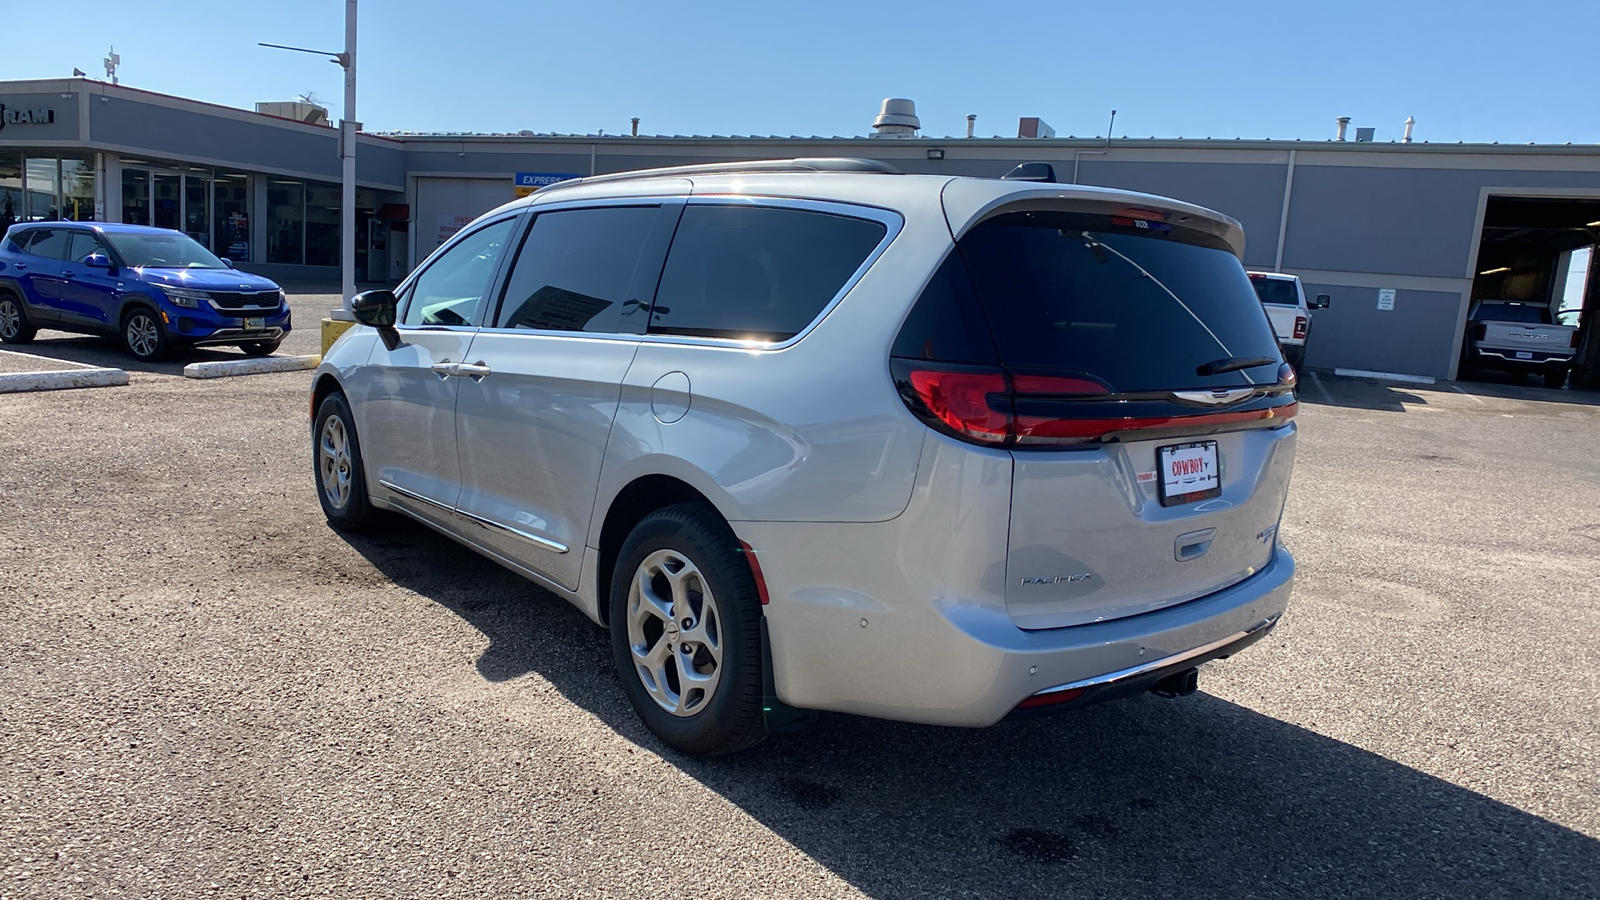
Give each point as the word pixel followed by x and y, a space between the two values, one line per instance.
pixel 1162 663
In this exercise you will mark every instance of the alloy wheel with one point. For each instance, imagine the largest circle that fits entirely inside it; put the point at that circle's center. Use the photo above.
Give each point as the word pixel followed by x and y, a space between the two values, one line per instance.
pixel 674 633
pixel 144 336
pixel 334 462
pixel 10 318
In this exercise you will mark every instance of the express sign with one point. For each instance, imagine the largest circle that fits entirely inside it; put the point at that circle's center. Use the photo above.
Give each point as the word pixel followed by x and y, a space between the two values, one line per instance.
pixel 26 116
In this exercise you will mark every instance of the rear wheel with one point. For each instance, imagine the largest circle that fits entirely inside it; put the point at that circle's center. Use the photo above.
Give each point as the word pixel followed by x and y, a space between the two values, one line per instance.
pixel 1554 378
pixel 260 348
pixel 339 468
pixel 686 632
pixel 14 325
pixel 142 334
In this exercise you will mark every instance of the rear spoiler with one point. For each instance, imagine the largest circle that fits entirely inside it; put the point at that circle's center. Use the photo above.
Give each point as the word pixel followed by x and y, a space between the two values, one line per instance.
pixel 968 201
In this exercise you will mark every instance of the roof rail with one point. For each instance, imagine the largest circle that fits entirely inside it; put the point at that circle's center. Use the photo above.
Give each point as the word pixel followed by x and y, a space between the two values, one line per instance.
pixel 759 166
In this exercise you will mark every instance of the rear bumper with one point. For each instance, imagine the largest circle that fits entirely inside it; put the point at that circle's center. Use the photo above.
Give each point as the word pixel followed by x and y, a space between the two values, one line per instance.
pixel 1534 358
pixel 949 662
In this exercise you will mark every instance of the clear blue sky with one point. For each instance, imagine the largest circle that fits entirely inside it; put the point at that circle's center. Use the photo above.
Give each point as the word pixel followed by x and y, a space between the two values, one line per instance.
pixel 1467 69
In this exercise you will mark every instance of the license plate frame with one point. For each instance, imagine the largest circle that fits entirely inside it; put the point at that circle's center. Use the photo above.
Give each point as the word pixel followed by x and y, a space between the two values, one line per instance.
pixel 1524 354
pixel 255 323
pixel 1173 478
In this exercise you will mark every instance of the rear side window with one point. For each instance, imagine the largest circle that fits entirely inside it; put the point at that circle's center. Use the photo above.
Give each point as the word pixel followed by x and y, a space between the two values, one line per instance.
pixel 1133 305
pixel 585 270
pixel 1276 291
pixel 50 243
pixel 757 272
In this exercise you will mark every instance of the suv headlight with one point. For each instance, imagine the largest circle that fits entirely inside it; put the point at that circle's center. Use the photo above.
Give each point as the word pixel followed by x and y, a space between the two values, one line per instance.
pixel 186 298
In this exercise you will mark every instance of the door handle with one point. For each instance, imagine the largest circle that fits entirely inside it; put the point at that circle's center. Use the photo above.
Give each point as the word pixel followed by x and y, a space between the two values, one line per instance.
pixel 476 371
pixel 444 369
pixel 19 265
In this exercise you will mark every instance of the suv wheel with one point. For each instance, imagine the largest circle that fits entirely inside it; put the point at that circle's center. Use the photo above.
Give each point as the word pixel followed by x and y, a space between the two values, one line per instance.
pixel 142 334
pixel 260 348
pixel 686 632
pixel 14 325
pixel 340 472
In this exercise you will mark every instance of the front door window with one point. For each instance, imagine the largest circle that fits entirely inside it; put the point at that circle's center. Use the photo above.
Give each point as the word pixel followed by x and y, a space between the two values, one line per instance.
pixel 449 290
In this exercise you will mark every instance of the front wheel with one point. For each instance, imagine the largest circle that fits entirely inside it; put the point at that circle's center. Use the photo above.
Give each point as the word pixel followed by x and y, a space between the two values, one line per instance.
pixel 340 471
pixel 260 348
pixel 686 632
pixel 14 325
pixel 142 334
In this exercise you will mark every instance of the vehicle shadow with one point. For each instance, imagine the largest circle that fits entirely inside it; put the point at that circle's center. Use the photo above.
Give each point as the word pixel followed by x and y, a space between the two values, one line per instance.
pixel 108 353
pixel 1323 389
pixel 1146 797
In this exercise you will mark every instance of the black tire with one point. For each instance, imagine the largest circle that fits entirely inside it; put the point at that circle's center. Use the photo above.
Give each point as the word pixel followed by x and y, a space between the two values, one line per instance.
pixel 1554 378
pixel 344 500
pixel 260 348
pixel 14 325
pixel 729 717
pixel 144 335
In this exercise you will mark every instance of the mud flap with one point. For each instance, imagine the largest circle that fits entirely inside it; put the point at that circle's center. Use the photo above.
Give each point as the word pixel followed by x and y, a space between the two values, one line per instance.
pixel 781 718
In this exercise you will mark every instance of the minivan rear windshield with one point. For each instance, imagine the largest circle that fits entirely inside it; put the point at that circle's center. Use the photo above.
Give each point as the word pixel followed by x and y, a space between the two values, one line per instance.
pixel 1136 305
pixel 1277 291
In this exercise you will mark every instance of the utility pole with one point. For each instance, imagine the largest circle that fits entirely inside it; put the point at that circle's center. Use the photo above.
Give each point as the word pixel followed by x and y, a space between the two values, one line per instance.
pixel 348 126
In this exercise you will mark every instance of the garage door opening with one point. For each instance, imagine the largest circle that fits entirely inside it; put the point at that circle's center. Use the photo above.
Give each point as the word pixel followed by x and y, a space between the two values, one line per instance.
pixel 1536 265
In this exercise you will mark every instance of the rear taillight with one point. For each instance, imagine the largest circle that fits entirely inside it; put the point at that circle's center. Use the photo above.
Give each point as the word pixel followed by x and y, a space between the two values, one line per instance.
pixel 1300 323
pixel 981 405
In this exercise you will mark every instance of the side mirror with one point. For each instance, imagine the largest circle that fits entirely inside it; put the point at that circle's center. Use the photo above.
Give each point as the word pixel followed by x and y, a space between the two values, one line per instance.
pixel 1321 302
pixel 227 262
pixel 98 260
pixel 378 309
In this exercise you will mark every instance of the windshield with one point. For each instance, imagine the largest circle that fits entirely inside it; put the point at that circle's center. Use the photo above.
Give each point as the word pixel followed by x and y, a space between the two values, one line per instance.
pixel 168 250
pixel 1277 291
pixel 1137 308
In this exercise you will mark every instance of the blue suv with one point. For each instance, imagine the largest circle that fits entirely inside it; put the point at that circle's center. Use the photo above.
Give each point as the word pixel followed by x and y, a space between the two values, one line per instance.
pixel 151 287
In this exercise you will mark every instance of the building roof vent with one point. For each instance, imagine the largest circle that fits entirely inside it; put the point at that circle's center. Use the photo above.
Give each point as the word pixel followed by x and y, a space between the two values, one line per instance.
pixel 897 118
pixel 1034 127
pixel 1364 135
pixel 1343 122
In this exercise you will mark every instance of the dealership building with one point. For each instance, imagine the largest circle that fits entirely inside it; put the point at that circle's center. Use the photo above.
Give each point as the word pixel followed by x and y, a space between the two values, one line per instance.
pixel 1401 236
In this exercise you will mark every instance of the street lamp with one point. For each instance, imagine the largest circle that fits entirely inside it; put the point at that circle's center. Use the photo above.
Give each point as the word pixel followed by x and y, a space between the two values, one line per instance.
pixel 348 127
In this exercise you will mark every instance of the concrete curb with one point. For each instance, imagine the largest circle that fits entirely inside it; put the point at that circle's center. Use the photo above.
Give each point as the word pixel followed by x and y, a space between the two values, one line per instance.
pixel 19 382
pixel 261 366
pixel 1386 376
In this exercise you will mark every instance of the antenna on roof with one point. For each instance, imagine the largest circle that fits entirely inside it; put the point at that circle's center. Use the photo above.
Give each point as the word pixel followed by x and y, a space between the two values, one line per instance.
pixel 112 61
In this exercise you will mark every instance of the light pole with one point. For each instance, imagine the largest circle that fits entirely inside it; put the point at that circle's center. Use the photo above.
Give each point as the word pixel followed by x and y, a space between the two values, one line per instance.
pixel 348 128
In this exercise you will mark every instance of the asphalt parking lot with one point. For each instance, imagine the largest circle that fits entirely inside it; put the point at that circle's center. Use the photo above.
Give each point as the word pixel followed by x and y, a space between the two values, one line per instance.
pixel 206 692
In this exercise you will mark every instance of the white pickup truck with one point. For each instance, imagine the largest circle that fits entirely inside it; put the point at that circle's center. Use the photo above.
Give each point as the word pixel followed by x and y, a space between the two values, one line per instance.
pixel 1519 339
pixel 1284 299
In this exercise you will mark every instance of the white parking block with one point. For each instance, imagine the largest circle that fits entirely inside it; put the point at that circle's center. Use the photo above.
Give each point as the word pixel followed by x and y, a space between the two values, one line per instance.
pixel 1386 376
pixel 17 382
pixel 260 366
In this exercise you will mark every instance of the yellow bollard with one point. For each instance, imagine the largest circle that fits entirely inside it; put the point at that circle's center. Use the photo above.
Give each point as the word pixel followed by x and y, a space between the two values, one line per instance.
pixel 331 329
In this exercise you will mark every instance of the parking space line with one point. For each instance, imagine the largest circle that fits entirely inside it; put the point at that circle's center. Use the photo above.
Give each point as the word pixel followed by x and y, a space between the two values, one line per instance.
pixel 1317 382
pixel 1473 397
pixel 52 359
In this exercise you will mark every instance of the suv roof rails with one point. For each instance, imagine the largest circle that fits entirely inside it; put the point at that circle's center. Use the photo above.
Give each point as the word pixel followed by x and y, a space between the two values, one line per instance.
pixel 762 166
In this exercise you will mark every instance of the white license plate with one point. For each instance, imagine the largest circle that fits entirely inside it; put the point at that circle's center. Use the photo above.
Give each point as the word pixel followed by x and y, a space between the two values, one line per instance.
pixel 1524 354
pixel 255 324
pixel 1188 473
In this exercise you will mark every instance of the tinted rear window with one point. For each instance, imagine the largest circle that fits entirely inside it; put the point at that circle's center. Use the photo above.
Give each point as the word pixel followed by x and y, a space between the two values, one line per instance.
pixel 1276 291
pixel 50 243
pixel 757 272
pixel 1507 312
pixel 1138 308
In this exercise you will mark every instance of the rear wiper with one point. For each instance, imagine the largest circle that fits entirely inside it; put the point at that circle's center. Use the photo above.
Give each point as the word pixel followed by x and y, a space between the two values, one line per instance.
pixel 1233 364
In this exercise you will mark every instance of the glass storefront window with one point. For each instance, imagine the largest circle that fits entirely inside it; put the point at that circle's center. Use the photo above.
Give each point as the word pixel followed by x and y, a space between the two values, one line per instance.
pixel 286 210
pixel 166 200
pixel 322 224
pixel 196 201
pixel 77 189
pixel 231 193
pixel 11 207
pixel 44 184
pixel 135 197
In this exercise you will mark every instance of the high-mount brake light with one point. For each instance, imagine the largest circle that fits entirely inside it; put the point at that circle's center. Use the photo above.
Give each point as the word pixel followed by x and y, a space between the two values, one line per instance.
pixel 980 405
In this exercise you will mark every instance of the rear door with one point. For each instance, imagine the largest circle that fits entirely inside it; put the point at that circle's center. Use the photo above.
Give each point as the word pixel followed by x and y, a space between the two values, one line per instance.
pixel 1151 454
pixel 408 415
pixel 538 395
pixel 40 272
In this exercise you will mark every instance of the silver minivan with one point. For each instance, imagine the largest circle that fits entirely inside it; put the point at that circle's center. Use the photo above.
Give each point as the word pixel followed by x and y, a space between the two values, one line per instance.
pixel 815 435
